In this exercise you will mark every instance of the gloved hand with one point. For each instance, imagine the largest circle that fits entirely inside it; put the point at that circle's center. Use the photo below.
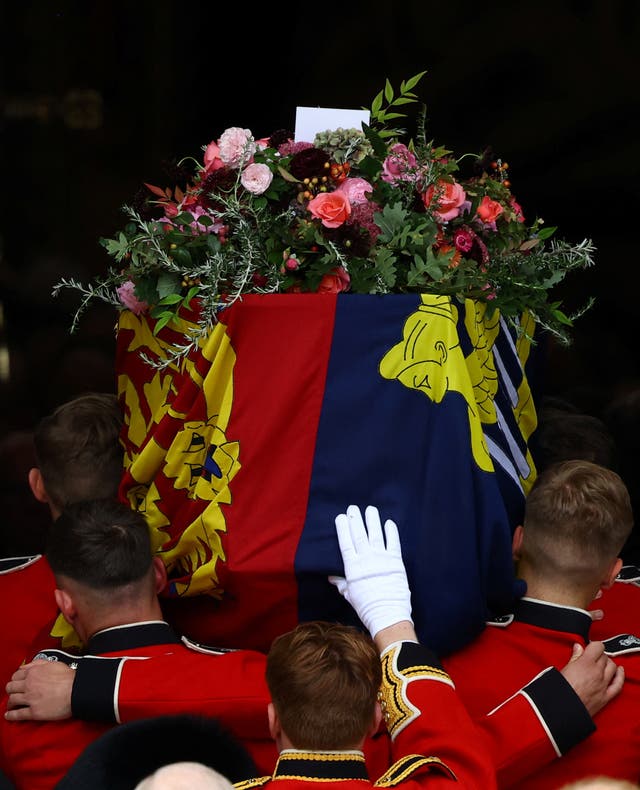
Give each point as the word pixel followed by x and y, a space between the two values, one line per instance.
pixel 375 581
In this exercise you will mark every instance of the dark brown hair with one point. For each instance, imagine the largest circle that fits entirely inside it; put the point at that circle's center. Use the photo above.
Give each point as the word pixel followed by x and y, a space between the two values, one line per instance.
pixel 78 449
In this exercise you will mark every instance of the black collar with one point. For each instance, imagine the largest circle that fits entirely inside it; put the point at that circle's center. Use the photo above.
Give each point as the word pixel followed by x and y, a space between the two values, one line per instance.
pixel 321 765
pixel 127 637
pixel 553 617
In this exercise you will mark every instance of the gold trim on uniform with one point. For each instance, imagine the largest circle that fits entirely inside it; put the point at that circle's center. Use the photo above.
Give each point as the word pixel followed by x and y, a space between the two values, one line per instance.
pixel 401 770
pixel 333 757
pixel 258 781
pixel 396 708
pixel 329 766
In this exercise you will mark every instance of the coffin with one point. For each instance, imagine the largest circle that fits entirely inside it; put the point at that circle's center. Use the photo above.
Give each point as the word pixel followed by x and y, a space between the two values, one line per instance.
pixel 295 406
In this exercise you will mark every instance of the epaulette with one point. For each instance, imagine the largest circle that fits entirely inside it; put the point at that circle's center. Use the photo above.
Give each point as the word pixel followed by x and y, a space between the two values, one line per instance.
pixel 629 574
pixel 9 564
pixel 501 620
pixel 257 782
pixel 623 643
pixel 198 647
pixel 407 766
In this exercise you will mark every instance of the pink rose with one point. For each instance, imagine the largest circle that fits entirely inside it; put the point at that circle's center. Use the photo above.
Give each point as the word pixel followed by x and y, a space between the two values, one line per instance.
pixel 126 294
pixel 398 164
pixel 355 189
pixel 236 147
pixel 212 159
pixel 449 197
pixel 336 281
pixel 332 208
pixel 489 210
pixel 256 178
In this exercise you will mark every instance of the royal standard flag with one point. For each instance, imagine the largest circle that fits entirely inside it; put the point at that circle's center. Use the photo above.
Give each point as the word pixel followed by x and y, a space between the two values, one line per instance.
pixel 294 407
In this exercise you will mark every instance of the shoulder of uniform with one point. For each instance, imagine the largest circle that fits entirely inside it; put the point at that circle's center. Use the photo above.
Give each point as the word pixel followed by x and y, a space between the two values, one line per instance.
pixel 501 620
pixel 257 782
pixel 198 647
pixel 620 644
pixel 10 564
pixel 408 766
pixel 629 574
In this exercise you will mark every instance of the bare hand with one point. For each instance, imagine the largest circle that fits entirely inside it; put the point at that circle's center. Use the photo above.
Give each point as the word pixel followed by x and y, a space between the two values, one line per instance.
pixel 40 691
pixel 594 677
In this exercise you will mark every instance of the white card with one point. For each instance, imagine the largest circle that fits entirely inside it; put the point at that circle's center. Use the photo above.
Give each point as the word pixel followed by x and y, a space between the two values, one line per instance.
pixel 311 120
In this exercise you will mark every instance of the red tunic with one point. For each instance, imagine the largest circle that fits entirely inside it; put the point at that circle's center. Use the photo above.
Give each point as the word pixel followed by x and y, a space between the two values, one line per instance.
pixel 434 742
pixel 498 663
pixel 620 605
pixel 28 606
pixel 539 723
pixel 35 755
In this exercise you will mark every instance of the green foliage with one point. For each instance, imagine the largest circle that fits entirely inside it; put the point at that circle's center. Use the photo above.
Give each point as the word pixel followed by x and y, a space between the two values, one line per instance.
pixel 410 220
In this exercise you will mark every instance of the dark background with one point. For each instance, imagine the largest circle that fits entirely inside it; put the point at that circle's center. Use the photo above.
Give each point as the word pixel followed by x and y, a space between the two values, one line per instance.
pixel 95 96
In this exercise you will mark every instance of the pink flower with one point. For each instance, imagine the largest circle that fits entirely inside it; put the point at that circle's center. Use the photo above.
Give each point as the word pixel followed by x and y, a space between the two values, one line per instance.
pixel 198 227
pixel 212 159
pixel 462 240
pixel 291 147
pixel 336 281
pixel 236 147
pixel 449 197
pixel 126 294
pixel 489 210
pixel 355 189
pixel 489 292
pixel 332 208
pixel 256 178
pixel 362 214
pixel 399 164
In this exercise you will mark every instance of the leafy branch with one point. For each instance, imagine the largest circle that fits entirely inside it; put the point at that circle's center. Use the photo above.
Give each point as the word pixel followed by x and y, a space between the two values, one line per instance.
pixel 384 106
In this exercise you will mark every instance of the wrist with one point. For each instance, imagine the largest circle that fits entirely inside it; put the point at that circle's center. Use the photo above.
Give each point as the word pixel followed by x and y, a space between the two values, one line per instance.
pixel 402 631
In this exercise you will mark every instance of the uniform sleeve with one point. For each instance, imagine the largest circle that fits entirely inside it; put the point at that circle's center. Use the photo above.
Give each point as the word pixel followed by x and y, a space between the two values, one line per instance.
pixel 536 725
pixel 425 716
pixel 230 686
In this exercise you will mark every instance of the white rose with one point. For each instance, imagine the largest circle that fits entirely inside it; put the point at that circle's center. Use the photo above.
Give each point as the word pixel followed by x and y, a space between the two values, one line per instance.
pixel 256 178
pixel 236 146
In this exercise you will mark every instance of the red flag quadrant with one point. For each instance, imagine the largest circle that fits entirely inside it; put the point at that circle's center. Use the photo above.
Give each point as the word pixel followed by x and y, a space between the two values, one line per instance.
pixel 297 406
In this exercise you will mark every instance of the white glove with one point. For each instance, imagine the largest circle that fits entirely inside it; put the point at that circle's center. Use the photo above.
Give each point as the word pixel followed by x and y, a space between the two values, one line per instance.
pixel 375 581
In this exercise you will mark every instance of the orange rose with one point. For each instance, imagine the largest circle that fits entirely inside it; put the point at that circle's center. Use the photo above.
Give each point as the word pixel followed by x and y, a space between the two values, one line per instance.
pixel 489 210
pixel 332 208
pixel 335 282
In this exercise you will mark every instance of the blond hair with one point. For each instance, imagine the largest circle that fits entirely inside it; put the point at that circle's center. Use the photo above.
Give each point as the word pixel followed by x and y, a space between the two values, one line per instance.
pixel 578 515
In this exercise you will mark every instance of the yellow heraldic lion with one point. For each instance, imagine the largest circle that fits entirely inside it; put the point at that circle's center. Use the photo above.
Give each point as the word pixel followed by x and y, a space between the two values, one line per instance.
pixel 200 462
pixel 196 467
pixel 429 359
